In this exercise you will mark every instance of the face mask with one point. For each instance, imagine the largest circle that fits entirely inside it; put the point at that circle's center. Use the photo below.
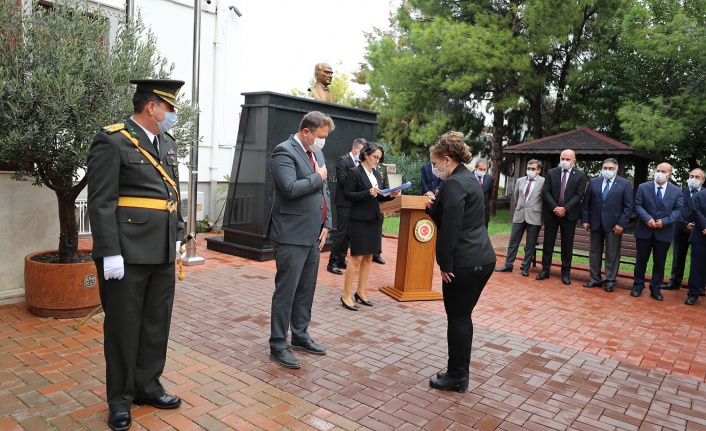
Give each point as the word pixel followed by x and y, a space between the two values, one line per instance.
pixel 480 173
pixel 439 174
pixel 318 144
pixel 693 183
pixel 565 165
pixel 168 122
pixel 660 177
pixel 531 174
pixel 608 175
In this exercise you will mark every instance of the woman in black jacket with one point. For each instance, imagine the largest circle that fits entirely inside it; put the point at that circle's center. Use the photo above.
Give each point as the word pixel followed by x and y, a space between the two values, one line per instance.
pixel 463 251
pixel 362 188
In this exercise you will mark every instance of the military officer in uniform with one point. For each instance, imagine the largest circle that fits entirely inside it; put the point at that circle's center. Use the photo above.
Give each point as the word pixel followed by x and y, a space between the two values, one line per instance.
pixel 136 222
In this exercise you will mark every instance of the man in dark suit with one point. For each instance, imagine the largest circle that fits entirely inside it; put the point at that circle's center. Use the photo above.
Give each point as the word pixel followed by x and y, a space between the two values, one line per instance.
pixel 606 210
pixel 698 250
pixel 658 205
pixel 299 223
pixel 341 239
pixel 683 230
pixel 428 181
pixel 133 204
pixel 385 184
pixel 486 184
pixel 563 190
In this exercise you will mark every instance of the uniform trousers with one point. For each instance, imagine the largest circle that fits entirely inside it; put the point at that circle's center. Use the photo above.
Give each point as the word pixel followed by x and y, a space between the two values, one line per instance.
pixel 295 283
pixel 460 297
pixel 612 255
pixel 658 249
pixel 138 312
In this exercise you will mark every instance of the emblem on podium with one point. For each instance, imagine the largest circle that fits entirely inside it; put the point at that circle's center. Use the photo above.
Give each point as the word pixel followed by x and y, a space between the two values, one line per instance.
pixel 424 230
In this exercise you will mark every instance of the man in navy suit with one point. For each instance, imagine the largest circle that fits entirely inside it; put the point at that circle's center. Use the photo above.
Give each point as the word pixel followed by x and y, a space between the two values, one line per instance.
pixel 658 205
pixel 563 190
pixel 341 239
pixel 428 181
pixel 683 230
pixel 606 211
pixel 697 238
pixel 486 185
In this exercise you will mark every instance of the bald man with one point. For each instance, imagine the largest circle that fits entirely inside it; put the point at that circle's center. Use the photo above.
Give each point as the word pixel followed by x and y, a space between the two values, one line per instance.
pixel 563 191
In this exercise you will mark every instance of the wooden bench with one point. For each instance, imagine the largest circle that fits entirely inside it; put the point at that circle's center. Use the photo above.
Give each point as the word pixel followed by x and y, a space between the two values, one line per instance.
pixel 582 246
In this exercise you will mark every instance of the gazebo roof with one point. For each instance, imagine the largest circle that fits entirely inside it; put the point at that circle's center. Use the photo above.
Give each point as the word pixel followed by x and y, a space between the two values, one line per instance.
pixel 582 141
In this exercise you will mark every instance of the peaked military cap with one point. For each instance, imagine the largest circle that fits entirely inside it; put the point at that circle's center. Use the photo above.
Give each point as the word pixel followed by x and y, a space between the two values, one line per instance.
pixel 167 89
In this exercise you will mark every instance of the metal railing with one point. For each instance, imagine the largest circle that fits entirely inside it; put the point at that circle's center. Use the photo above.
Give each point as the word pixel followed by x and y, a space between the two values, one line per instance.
pixel 84 225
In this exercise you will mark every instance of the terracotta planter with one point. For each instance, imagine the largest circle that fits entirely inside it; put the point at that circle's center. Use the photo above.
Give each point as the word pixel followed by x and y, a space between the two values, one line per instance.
pixel 60 290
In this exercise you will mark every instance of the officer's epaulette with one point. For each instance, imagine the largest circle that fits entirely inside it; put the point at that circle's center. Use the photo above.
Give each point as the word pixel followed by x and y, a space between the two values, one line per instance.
pixel 113 128
pixel 170 135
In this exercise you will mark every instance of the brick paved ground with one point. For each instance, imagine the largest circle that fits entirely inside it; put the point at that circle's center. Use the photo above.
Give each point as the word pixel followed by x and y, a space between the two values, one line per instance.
pixel 546 356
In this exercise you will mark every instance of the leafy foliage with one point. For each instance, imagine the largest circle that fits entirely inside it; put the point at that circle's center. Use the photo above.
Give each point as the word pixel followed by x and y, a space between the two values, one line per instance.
pixel 61 79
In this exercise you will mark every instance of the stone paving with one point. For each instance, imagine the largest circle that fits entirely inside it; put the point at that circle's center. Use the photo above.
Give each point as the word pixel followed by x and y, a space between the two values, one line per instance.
pixel 545 357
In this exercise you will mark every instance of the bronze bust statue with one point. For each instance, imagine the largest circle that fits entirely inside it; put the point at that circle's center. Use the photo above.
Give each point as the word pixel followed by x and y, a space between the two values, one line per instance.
pixel 320 90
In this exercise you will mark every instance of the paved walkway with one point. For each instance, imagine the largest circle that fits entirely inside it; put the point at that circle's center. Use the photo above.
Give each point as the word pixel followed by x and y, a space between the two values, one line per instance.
pixel 545 356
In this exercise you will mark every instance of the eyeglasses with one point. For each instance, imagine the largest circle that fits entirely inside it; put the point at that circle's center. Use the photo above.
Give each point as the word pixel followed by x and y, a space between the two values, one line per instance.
pixel 376 158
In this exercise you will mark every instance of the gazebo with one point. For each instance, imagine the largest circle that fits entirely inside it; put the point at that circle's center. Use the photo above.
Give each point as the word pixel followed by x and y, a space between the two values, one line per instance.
pixel 588 145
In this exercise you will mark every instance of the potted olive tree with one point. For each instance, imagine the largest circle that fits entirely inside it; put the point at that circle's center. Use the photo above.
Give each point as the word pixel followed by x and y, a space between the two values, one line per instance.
pixel 64 74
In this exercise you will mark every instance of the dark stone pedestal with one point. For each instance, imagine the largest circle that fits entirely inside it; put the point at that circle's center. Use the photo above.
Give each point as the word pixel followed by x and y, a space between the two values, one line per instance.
pixel 267 120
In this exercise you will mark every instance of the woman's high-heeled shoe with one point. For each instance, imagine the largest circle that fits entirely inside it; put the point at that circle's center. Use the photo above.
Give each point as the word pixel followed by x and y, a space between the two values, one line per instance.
pixel 348 307
pixel 448 384
pixel 358 298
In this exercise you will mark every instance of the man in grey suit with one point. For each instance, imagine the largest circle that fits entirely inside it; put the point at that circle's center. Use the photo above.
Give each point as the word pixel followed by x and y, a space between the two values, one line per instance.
pixel 299 224
pixel 527 217
pixel 658 205
pixel 486 185
pixel 606 210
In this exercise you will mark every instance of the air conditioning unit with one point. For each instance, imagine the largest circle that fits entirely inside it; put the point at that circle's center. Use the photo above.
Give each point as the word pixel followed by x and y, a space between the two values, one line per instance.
pixel 185 205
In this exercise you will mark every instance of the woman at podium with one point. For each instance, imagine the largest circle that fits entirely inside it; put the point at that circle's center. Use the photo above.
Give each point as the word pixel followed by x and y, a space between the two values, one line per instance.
pixel 463 252
pixel 362 188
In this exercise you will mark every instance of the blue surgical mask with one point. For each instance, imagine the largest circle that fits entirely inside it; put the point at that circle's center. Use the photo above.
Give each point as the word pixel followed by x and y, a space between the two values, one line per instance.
pixel 168 122
pixel 608 175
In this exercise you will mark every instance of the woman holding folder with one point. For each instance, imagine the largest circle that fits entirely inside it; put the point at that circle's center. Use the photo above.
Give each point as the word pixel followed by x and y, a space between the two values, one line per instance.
pixel 362 188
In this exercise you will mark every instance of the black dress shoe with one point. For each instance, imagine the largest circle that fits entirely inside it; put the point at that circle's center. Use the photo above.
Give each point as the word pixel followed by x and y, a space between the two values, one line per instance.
pixel 378 259
pixel 333 268
pixel 504 268
pixel 309 346
pixel 593 283
pixel 359 299
pixel 119 421
pixel 671 286
pixel 441 375
pixel 448 384
pixel 525 272
pixel 165 402
pixel 636 291
pixel 348 307
pixel 691 299
pixel 566 280
pixel 609 288
pixel 656 295
pixel 343 265
pixel 543 275
pixel 285 358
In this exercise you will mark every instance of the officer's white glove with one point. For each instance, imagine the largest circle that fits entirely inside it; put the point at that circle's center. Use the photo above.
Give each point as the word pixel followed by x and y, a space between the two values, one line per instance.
pixel 179 254
pixel 113 267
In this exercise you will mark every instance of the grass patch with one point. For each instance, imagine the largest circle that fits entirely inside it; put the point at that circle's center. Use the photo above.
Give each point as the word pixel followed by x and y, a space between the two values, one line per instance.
pixel 500 223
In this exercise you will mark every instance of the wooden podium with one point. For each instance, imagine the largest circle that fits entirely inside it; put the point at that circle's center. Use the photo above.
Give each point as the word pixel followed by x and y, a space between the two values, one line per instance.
pixel 415 259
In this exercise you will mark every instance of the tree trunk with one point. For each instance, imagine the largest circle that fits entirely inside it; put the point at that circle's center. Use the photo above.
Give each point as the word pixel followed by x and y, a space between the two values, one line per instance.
pixel 496 154
pixel 68 223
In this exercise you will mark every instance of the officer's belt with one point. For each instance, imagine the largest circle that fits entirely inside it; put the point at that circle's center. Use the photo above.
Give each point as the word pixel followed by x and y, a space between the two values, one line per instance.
pixel 153 204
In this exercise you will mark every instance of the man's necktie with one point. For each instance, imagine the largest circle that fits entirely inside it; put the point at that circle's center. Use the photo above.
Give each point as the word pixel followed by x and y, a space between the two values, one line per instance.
pixel 155 144
pixel 313 165
pixel 529 184
pixel 606 189
pixel 480 181
pixel 563 188
pixel 693 192
pixel 659 196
